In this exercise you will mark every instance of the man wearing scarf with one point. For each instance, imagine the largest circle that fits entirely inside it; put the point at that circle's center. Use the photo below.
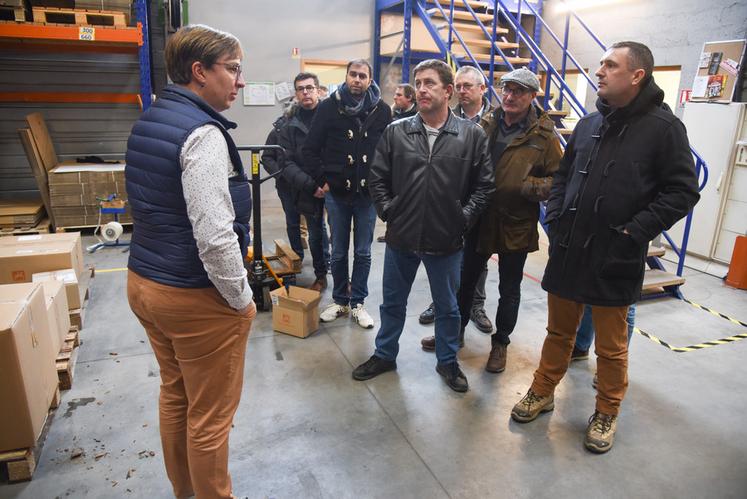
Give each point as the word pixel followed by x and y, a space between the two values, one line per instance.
pixel 337 153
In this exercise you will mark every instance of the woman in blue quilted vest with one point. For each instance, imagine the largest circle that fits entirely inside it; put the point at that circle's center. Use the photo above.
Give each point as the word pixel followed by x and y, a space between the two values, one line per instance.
pixel 187 283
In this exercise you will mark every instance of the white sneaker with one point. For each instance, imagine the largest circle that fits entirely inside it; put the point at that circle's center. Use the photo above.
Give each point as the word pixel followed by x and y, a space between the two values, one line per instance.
pixel 362 318
pixel 333 311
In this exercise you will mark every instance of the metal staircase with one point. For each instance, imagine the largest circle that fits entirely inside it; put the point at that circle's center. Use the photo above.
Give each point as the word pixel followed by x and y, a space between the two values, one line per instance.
pixel 499 36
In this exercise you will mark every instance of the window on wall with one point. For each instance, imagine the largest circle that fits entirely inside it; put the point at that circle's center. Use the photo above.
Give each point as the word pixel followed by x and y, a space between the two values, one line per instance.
pixel 330 73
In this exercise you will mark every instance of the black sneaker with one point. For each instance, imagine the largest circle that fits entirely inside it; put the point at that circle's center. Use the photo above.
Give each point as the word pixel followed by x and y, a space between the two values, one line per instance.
pixel 373 367
pixel 579 354
pixel 480 318
pixel 428 316
pixel 453 376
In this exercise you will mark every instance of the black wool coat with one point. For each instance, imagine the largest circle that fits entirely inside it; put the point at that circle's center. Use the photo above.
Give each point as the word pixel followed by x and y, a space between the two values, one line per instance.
pixel 340 148
pixel 624 170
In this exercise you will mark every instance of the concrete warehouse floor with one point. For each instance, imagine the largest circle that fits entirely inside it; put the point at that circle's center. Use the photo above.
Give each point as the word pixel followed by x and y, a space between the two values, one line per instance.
pixel 306 429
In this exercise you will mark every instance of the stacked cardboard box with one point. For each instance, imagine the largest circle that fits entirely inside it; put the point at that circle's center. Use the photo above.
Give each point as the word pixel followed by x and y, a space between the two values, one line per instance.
pixel 44 257
pixel 75 191
pixel 70 190
pixel 28 375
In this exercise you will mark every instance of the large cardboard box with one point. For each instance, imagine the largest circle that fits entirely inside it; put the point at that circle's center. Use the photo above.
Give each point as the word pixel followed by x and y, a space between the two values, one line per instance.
pixel 295 311
pixel 44 253
pixel 47 238
pixel 57 312
pixel 18 262
pixel 28 375
pixel 68 278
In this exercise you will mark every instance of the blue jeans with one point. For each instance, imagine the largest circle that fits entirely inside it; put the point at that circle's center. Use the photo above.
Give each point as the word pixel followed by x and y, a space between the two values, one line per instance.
pixel 318 243
pixel 585 333
pixel 292 221
pixel 443 272
pixel 359 212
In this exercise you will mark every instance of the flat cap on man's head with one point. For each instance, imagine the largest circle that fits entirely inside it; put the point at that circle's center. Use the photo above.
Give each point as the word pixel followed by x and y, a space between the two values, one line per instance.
pixel 523 77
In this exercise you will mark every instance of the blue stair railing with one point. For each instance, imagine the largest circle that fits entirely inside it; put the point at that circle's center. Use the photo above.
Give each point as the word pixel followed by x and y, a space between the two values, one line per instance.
pixel 554 78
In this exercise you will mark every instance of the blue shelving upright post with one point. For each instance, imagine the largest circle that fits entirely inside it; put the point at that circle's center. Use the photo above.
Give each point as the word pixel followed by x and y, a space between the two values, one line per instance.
pixel 146 90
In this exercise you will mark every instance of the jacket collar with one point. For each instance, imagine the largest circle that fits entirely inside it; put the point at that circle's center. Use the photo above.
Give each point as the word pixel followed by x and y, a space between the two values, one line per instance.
pixel 180 93
pixel 649 96
pixel 416 125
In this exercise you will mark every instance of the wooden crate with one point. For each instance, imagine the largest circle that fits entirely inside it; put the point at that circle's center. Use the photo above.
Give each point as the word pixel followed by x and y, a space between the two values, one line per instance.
pixel 66 361
pixel 12 13
pixel 21 463
pixel 84 17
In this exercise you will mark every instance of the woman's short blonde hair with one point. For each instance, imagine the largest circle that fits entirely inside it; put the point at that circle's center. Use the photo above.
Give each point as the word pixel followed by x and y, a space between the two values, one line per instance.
pixel 197 42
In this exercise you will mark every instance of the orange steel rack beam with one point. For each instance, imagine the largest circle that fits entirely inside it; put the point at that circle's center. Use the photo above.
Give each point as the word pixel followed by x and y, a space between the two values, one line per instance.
pixel 72 97
pixel 72 33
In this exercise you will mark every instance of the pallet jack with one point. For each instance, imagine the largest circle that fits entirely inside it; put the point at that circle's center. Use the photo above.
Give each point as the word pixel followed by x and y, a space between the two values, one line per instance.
pixel 263 278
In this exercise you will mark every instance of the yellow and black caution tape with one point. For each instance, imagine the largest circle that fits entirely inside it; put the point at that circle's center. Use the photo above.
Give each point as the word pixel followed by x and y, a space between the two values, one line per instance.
pixel 717 314
pixel 705 344
pixel 692 348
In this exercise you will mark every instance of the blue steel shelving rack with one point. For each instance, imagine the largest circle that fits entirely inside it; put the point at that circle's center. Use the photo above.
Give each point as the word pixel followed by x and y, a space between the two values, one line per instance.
pixel 146 92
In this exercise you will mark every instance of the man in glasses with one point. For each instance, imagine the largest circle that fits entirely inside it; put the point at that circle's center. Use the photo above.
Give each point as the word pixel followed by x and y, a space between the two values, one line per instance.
pixel 298 191
pixel 470 89
pixel 525 152
pixel 337 153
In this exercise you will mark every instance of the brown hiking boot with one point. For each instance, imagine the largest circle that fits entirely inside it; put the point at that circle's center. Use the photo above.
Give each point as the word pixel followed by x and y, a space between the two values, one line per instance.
pixel 320 284
pixel 429 342
pixel 531 406
pixel 600 434
pixel 497 359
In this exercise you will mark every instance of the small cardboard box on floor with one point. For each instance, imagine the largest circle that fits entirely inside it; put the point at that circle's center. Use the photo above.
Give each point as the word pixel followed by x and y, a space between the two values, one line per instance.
pixel 295 311
pixel 23 256
pixel 68 278
pixel 28 376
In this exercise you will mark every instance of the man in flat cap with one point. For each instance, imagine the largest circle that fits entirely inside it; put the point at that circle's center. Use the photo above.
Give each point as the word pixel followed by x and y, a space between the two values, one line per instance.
pixel 525 152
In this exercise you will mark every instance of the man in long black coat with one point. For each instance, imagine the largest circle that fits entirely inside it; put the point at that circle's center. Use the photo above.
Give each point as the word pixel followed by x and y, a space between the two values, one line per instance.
pixel 626 176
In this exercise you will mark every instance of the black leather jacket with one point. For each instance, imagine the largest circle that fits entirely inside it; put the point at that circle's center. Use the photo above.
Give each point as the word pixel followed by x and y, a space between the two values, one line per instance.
pixel 429 199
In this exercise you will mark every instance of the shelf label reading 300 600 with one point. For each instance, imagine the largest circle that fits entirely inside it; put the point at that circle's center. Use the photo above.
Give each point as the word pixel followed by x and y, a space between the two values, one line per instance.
pixel 87 33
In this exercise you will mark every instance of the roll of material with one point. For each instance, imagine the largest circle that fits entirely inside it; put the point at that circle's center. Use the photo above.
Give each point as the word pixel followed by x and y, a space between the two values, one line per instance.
pixel 111 231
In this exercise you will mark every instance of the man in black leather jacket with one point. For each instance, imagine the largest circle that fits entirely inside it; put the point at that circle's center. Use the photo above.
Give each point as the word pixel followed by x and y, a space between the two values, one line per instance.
pixel 430 178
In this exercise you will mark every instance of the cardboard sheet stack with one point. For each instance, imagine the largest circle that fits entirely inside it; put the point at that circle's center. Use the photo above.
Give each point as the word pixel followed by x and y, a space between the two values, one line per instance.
pixel 37 275
pixel 22 214
pixel 70 190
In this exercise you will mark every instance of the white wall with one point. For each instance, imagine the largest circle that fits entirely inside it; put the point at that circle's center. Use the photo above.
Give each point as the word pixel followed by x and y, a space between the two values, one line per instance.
pixel 321 29
pixel 674 30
